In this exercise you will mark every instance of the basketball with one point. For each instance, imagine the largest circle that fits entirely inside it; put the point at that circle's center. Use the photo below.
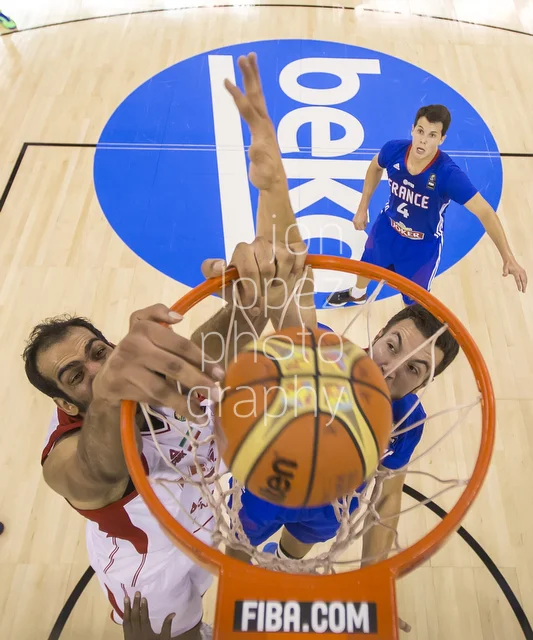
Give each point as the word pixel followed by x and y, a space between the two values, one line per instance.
pixel 306 416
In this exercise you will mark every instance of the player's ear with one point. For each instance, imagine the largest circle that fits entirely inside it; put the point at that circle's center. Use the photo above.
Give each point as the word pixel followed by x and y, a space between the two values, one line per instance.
pixel 442 140
pixel 66 406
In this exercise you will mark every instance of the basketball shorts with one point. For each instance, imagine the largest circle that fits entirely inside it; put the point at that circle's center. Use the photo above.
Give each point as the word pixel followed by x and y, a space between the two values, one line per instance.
pixel 261 519
pixel 168 579
pixel 416 260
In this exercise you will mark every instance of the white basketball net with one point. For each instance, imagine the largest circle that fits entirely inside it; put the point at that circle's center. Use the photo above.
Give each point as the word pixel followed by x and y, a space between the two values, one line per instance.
pixel 225 500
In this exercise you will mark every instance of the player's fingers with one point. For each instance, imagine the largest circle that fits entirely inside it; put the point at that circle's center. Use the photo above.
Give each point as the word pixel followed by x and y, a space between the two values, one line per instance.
pixel 519 281
pixel 136 613
pixel 242 103
pixel 213 267
pixel 126 618
pixel 155 313
pixel 285 260
pixel 259 102
pixel 404 626
pixel 268 260
pixel 299 250
pixel 145 615
pixel 523 277
pixel 166 629
pixel 248 77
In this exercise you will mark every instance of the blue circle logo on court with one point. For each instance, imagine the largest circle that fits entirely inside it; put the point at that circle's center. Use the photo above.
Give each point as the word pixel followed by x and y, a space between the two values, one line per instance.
pixel 170 168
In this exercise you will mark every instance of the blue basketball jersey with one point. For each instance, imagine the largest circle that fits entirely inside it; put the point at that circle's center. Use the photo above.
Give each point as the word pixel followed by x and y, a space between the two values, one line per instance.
pixel 261 519
pixel 402 446
pixel 417 204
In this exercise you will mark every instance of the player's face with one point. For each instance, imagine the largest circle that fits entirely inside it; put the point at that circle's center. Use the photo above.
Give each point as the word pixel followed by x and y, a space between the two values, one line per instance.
pixel 427 136
pixel 72 364
pixel 391 347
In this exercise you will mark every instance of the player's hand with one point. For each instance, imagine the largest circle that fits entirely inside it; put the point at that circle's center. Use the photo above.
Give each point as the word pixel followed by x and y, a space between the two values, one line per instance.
pixel 148 362
pixel 136 625
pixel 263 269
pixel 511 266
pixel 360 219
pixel 404 626
pixel 266 168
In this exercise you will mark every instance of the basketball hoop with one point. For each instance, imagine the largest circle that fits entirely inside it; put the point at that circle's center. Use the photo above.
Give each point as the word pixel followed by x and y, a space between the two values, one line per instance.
pixel 311 590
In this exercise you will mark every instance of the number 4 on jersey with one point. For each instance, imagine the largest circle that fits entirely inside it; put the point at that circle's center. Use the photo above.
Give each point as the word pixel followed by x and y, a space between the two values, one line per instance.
pixel 402 209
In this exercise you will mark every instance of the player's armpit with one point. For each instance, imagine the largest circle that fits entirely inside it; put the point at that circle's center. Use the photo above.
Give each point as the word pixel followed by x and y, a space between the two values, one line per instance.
pixel 378 541
pixel 375 164
pixel 64 473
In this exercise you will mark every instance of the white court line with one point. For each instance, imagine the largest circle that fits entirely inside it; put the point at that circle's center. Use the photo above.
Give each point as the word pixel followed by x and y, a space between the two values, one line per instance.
pixel 154 146
pixel 235 201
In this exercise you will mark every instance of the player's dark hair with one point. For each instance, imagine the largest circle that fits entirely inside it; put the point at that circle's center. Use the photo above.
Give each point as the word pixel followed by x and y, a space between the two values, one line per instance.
pixel 435 113
pixel 428 325
pixel 42 337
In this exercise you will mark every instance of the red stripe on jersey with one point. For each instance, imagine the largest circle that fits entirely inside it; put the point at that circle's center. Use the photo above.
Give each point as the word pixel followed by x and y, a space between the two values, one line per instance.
pixel 112 556
pixel 427 166
pixel 114 604
pixel 65 425
pixel 114 520
pixel 137 573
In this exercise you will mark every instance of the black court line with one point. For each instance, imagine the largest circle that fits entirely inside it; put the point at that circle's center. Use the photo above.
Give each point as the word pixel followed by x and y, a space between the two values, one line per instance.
pixel 87 145
pixel 519 612
pixel 13 175
pixel 413 493
pixel 257 5
pixel 63 616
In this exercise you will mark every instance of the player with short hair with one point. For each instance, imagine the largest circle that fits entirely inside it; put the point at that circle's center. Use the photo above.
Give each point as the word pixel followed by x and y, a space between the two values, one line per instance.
pixel 71 361
pixel 403 334
pixel 407 236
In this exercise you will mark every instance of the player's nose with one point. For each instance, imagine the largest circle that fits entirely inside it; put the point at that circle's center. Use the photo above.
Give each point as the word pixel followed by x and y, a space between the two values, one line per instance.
pixel 93 368
pixel 386 367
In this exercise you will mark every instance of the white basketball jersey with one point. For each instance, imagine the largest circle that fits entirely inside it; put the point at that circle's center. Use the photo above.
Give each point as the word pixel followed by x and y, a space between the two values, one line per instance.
pixel 125 542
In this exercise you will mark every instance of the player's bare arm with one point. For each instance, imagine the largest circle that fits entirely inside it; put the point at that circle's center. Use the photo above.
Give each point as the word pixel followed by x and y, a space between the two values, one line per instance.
pixel 373 177
pixel 377 542
pixel 275 216
pixel 88 468
pixel 490 220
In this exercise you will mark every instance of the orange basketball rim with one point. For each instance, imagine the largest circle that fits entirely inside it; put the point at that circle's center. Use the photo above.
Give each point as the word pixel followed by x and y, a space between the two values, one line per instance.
pixel 364 597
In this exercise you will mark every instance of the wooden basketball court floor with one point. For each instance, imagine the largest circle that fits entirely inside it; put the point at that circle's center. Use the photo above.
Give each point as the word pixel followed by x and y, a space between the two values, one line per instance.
pixel 59 84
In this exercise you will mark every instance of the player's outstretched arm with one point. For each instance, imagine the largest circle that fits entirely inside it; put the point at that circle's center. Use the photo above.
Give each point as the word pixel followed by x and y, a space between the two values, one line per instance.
pixel 372 180
pixel 275 216
pixel 377 541
pixel 490 220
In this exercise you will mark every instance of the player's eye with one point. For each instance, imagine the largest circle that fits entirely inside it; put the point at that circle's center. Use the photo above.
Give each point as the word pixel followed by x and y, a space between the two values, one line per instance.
pixel 391 347
pixel 99 353
pixel 413 369
pixel 76 378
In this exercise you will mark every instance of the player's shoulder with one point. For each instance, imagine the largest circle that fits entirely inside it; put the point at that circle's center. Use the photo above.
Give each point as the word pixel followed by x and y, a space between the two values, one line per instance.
pixel 393 146
pixel 447 164
pixel 392 153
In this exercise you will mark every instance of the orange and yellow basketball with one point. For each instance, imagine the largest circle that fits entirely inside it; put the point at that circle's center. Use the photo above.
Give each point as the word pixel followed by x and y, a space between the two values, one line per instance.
pixel 306 417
